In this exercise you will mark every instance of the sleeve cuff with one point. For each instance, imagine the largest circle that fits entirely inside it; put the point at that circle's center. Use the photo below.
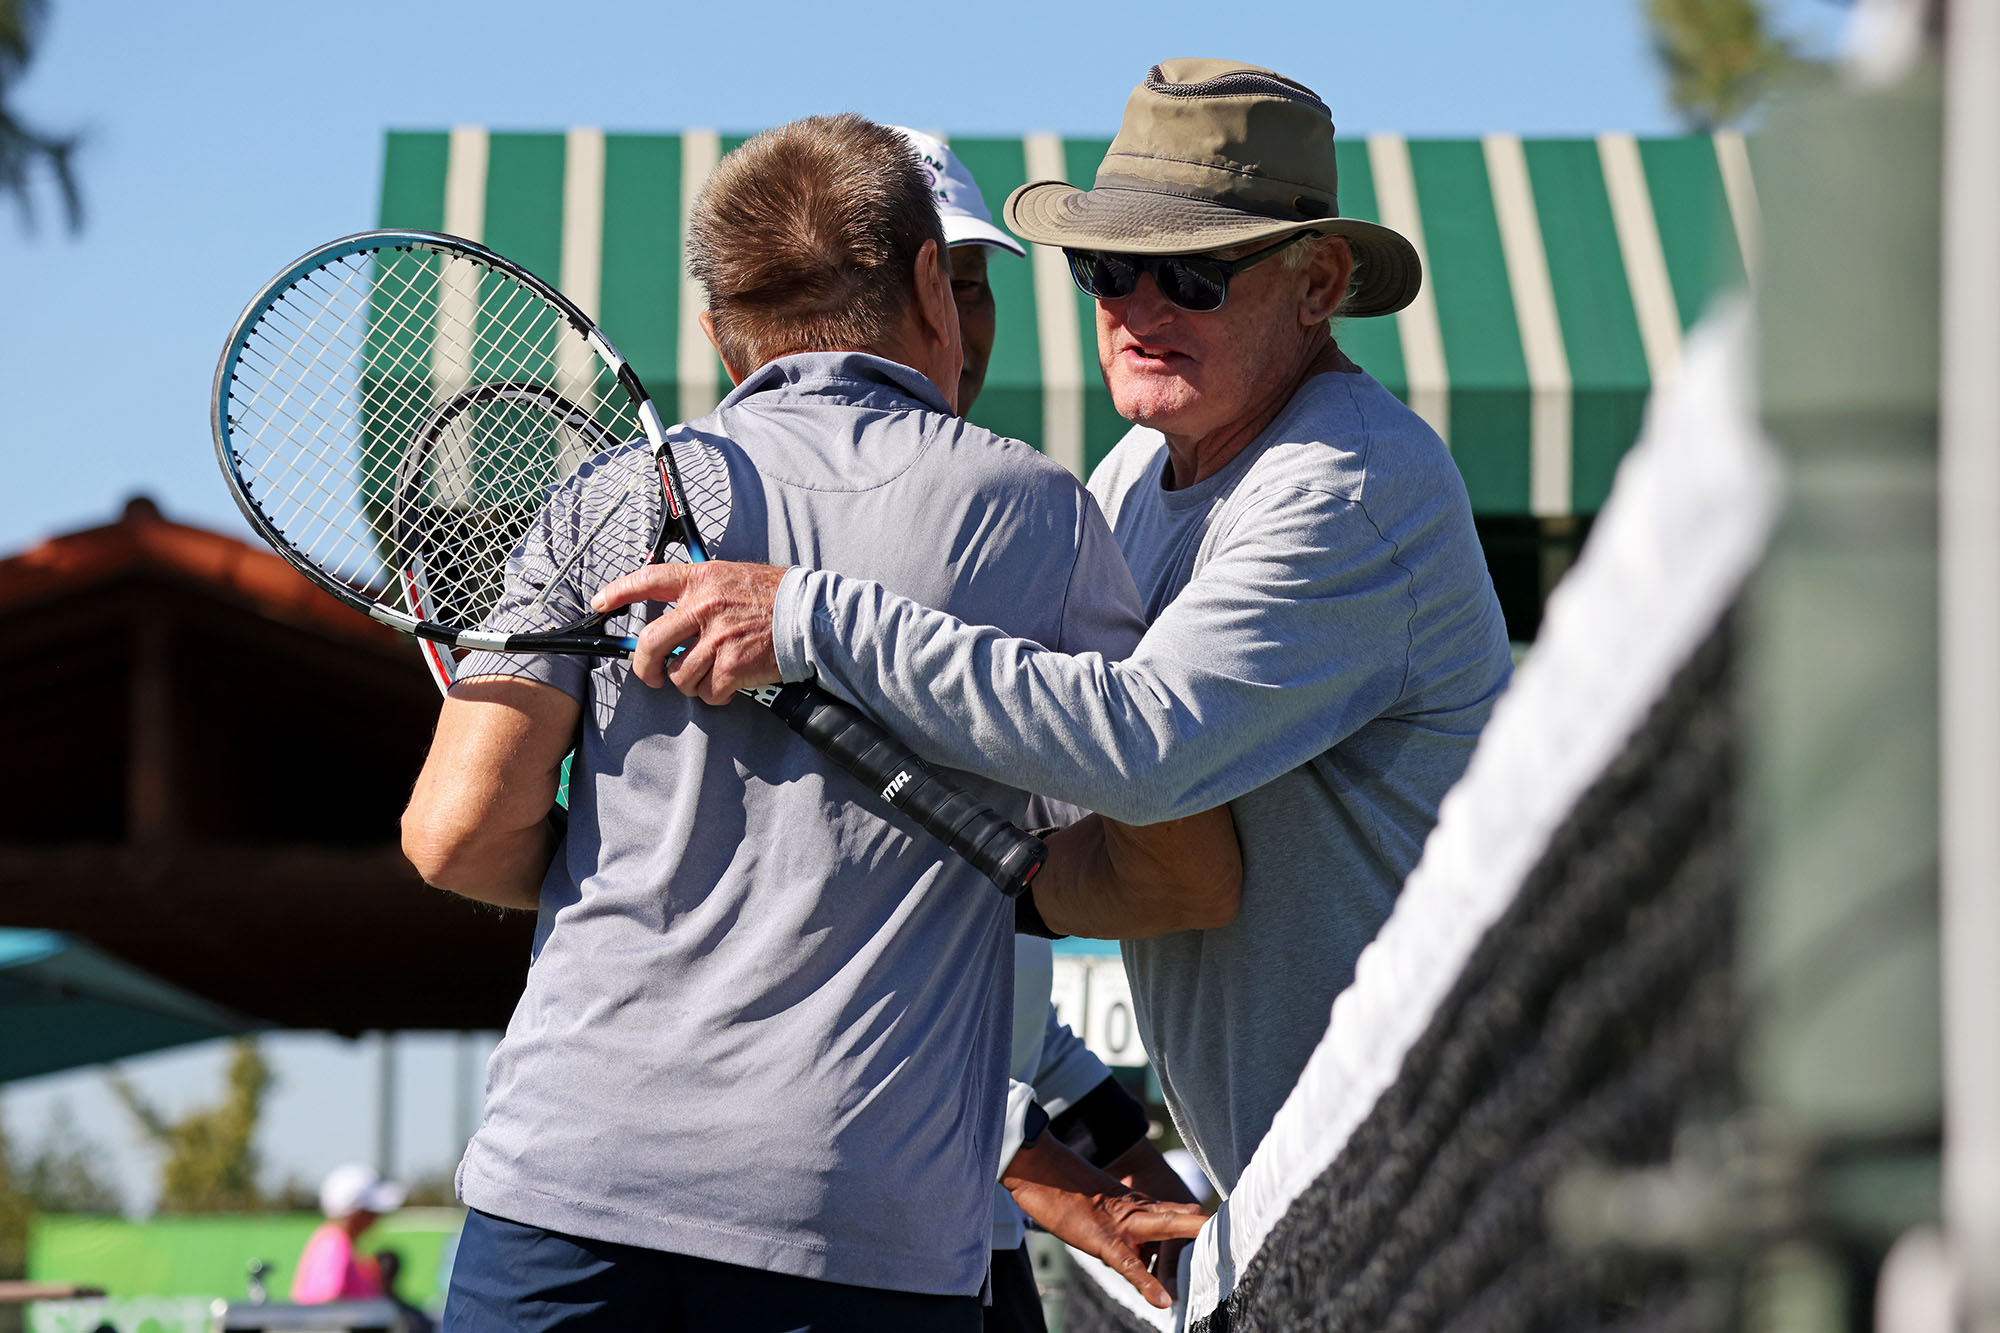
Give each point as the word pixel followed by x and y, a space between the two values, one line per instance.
pixel 791 623
pixel 1014 1132
pixel 571 675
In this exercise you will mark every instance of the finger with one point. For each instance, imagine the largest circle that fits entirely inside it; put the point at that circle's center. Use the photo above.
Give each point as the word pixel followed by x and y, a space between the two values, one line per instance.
pixel 1158 1223
pixel 717 687
pixel 657 642
pixel 739 665
pixel 654 583
pixel 690 671
pixel 1132 1268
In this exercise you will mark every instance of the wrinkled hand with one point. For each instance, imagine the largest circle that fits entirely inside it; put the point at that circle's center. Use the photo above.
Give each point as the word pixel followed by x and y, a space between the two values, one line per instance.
pixel 1097 1214
pixel 721 610
pixel 1142 1168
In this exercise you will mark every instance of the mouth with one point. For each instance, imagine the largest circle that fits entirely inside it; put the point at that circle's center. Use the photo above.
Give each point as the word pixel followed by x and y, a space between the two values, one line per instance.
pixel 1140 354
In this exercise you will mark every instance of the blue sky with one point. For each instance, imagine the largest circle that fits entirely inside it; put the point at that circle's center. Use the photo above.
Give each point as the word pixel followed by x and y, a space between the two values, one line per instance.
pixel 227 136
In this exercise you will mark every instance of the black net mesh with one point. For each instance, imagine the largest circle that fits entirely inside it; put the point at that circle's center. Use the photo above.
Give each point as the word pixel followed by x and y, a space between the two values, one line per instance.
pixel 1592 1023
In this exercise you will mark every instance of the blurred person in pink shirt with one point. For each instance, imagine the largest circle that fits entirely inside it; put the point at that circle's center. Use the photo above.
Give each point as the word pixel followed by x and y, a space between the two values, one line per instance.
pixel 330 1268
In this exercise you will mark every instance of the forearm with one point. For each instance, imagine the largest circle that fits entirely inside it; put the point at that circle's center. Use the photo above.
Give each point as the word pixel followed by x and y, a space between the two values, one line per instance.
pixel 1225 692
pixel 1044 1170
pixel 1106 880
pixel 477 823
pixel 1097 1213
pixel 1074 728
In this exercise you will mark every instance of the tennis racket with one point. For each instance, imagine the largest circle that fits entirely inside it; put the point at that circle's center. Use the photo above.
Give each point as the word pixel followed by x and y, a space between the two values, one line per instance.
pixel 439 439
pixel 442 662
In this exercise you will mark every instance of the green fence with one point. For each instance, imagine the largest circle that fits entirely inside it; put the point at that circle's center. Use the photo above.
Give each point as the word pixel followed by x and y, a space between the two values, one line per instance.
pixel 211 1256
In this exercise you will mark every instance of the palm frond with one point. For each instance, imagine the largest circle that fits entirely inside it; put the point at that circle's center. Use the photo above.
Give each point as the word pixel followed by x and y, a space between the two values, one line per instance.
pixel 24 148
pixel 1719 56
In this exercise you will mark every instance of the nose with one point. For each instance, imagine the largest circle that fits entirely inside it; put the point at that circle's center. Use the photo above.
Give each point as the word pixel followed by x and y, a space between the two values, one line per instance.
pixel 1146 308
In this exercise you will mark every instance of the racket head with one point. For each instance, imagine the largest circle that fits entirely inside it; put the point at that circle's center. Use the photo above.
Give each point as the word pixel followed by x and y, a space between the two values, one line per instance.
pixel 394 413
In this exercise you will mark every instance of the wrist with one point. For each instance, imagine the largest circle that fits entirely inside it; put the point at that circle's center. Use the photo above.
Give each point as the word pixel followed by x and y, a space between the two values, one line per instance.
pixel 1047 1164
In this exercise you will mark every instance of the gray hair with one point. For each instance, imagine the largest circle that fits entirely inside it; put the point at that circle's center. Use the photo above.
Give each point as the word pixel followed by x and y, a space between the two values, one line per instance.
pixel 1298 256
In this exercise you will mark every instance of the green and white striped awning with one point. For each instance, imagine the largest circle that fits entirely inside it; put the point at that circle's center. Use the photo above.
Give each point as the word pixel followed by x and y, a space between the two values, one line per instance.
pixel 1559 277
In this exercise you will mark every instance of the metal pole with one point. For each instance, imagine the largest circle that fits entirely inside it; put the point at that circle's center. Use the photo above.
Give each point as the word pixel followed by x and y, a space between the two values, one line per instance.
pixel 461 1088
pixel 1969 654
pixel 385 1103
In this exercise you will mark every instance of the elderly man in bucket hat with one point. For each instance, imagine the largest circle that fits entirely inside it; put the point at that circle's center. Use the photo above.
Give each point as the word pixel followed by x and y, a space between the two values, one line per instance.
pixel 1323 646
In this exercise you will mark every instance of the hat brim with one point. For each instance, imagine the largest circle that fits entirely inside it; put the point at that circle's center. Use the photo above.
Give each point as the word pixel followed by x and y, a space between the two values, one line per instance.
pixel 962 230
pixel 1154 222
pixel 385 1196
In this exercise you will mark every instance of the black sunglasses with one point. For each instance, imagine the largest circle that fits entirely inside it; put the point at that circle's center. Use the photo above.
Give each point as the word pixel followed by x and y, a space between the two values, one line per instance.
pixel 1192 282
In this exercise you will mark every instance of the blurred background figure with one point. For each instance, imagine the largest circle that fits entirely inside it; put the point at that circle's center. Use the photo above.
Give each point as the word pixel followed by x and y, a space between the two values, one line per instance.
pixel 353 1197
pixel 409 1319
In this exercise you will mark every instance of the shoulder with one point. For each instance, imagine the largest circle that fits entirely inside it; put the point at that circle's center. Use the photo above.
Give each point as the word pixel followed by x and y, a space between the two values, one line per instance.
pixel 1344 439
pixel 978 458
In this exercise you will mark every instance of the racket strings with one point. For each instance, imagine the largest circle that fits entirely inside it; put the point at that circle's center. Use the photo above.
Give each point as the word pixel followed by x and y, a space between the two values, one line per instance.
pixel 402 417
pixel 306 344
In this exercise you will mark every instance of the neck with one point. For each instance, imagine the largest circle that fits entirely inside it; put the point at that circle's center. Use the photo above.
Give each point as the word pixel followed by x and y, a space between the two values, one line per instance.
pixel 914 345
pixel 1195 458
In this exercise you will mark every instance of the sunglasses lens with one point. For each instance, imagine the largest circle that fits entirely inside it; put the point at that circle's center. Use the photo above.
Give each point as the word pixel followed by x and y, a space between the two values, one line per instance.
pixel 1103 275
pixel 1192 284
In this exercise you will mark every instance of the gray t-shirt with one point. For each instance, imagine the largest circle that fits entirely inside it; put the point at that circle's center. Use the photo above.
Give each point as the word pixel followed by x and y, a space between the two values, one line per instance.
pixel 768 1020
pixel 1324 648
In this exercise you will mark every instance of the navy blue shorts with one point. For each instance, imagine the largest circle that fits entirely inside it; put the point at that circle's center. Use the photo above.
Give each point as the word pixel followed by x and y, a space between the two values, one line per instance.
pixel 510 1278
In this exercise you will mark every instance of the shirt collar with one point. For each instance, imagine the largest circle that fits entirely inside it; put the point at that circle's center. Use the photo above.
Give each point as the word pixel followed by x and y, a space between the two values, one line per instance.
pixel 805 371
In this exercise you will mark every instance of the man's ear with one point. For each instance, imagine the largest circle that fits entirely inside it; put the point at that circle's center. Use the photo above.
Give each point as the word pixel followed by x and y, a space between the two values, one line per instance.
pixel 937 313
pixel 935 306
pixel 1331 265
pixel 708 328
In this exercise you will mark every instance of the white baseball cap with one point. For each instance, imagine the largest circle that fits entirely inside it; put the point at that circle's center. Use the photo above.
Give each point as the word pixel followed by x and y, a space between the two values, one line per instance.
pixel 960 206
pixel 359 1188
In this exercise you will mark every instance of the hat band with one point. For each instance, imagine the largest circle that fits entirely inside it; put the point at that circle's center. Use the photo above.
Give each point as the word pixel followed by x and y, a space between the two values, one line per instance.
pixel 1299 211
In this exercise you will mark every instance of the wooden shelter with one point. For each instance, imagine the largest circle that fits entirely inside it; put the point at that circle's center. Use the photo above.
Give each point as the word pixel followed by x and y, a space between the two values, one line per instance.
pixel 206 758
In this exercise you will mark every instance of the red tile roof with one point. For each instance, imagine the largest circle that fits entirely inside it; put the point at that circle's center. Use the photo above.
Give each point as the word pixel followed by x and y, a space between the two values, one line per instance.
pixel 142 542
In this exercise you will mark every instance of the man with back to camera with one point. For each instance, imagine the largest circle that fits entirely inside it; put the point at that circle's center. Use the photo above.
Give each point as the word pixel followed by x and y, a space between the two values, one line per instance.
pixel 755 1079
pixel 1052 1070
pixel 1324 642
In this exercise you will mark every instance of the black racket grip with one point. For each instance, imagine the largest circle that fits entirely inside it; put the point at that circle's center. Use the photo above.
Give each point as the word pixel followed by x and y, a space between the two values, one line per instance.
pixel 990 844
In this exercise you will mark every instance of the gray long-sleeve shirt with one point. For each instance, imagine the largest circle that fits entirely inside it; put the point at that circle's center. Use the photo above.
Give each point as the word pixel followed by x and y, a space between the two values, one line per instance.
pixel 1324 647
pixel 768 1021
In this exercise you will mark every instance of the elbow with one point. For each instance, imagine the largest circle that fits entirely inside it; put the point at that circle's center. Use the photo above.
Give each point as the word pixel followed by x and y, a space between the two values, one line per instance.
pixel 439 852
pixel 1218 911
pixel 1212 904
pixel 1202 870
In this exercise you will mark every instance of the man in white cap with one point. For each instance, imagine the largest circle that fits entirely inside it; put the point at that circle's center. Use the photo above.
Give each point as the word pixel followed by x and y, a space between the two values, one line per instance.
pixel 352 1196
pixel 1324 644
pixel 970 235
pixel 1053 1071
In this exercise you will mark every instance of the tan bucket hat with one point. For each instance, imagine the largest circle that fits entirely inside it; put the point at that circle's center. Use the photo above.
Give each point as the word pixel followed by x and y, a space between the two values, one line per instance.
pixel 1214 154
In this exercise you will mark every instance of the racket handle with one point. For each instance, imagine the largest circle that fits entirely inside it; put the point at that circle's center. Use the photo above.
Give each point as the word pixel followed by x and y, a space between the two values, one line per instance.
pixel 989 843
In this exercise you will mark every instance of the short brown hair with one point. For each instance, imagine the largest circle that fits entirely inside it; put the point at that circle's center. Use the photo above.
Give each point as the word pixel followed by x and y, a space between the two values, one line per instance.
pixel 806 238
